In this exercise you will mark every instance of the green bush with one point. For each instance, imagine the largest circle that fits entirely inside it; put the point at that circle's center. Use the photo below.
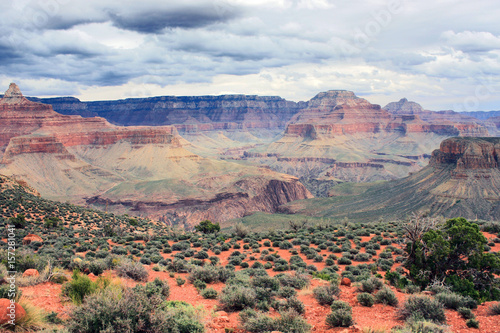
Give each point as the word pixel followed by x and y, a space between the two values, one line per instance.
pixel 237 298
pixel 472 323
pixel 454 301
pixel 366 299
pixel 371 284
pixel 423 307
pixel 494 309
pixel 466 313
pixel 287 292
pixel 291 322
pixel 116 311
pixel 339 318
pixel 257 322
pixel 157 287
pixel 78 288
pixel 325 295
pixel 133 270
pixel 337 305
pixel 292 303
pixel 386 296
pixel 297 281
pixel 209 293
pixel 180 281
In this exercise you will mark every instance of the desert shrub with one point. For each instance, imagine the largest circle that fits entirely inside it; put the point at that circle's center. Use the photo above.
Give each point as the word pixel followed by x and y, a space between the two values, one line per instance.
pixel 337 305
pixel 237 298
pixel 344 261
pixel 256 322
pixel 209 293
pixel 472 323
pixel 297 280
pixel 266 282
pixel 157 287
pixel 78 288
pixel 114 311
pixel 362 257
pixel 131 269
pixel 371 284
pixel 200 285
pixel 33 321
pixel 180 281
pixel 341 317
pixel 325 295
pixel 418 325
pixel 386 296
pixel 207 274
pixel 292 303
pixel 423 307
pixel 494 309
pixel 5 291
pixel 454 301
pixel 412 289
pixel 207 227
pixel 291 322
pixel 287 292
pixel 466 313
pixel 366 299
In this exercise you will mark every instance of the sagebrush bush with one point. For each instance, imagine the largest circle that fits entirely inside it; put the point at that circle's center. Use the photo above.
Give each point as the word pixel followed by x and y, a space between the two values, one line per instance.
pixel 325 295
pixel 339 318
pixel 133 270
pixel 78 288
pixel 466 313
pixel 287 292
pixel 472 323
pixel 494 309
pixel 292 322
pixel 115 310
pixel 371 284
pixel 386 296
pixel 297 280
pixel 337 305
pixel 454 301
pixel 209 293
pixel 292 303
pixel 365 299
pixel 237 298
pixel 424 307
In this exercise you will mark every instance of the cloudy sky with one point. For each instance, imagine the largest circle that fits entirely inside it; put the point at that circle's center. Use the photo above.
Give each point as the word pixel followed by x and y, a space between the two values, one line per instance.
pixel 444 54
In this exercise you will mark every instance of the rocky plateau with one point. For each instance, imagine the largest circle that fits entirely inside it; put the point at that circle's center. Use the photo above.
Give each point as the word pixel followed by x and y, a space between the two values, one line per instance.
pixel 90 161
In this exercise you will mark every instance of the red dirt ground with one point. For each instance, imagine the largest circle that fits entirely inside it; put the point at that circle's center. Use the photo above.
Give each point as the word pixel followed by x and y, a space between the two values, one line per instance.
pixel 47 296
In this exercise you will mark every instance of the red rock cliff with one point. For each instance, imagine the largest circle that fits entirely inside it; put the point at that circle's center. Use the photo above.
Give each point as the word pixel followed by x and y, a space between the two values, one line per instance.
pixel 468 153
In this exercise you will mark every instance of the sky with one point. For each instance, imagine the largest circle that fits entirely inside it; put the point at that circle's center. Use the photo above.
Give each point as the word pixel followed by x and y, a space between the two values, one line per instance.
pixel 443 54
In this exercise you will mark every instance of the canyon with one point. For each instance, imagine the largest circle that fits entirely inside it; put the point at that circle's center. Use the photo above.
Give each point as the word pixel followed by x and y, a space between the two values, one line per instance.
pixel 92 162
pixel 461 179
pixel 184 159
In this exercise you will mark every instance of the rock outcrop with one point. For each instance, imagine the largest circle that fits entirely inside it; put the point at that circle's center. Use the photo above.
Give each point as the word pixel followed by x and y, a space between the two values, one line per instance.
pixel 468 153
pixel 462 179
pixel 187 113
pixel 139 169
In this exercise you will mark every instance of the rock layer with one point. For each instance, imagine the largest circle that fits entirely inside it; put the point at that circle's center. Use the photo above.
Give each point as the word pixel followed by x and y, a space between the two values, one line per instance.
pixel 139 169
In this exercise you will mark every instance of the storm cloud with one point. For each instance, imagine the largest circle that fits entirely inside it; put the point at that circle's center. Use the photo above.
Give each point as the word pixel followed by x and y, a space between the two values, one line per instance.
pixel 436 53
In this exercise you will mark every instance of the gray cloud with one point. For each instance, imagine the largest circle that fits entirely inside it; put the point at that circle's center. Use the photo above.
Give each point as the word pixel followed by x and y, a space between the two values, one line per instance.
pixel 296 48
pixel 155 21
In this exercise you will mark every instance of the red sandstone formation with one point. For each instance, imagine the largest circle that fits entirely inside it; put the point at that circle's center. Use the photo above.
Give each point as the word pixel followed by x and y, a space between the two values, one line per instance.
pixel 338 112
pixel 28 239
pixel 29 127
pixel 468 153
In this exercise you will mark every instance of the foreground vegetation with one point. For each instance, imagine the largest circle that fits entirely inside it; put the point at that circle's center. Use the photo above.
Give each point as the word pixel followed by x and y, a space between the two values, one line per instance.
pixel 451 259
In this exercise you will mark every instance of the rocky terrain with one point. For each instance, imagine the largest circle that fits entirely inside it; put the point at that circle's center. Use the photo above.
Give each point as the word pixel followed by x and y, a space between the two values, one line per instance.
pixel 90 161
pixel 334 137
pixel 462 179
